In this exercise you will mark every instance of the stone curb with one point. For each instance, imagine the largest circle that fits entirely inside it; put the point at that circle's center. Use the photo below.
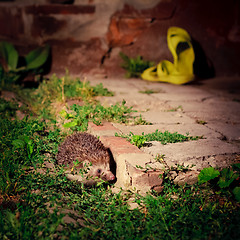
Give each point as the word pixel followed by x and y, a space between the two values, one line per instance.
pixel 131 162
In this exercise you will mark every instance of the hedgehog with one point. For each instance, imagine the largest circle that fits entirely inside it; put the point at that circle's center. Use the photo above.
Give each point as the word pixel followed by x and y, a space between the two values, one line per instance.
pixel 85 151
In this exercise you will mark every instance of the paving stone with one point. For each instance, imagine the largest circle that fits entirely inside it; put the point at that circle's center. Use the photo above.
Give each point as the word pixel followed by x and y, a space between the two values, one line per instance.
pixel 214 110
pixel 167 117
pixel 192 129
pixel 230 131
pixel 196 153
pixel 184 95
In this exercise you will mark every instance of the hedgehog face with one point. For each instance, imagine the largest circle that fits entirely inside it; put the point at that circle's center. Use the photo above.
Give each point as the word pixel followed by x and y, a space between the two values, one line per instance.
pixel 101 171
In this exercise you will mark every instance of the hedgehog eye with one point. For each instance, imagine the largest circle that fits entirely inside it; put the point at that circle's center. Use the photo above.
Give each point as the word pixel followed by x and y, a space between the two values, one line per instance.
pixel 99 171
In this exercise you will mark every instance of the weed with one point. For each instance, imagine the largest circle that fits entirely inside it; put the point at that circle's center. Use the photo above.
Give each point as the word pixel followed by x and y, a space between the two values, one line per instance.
pixel 202 122
pixel 81 115
pixel 167 137
pixel 178 108
pixel 151 91
pixel 138 140
pixel 163 137
pixel 138 120
pixel 15 68
pixel 225 179
pixel 134 66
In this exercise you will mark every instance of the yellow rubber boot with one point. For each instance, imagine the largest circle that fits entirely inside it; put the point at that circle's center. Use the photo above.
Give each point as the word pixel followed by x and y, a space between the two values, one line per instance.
pixel 181 70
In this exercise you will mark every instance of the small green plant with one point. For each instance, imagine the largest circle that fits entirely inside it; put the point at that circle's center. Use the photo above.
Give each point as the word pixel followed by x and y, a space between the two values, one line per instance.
pixel 134 66
pixel 138 140
pixel 81 115
pixel 24 143
pixel 178 108
pixel 138 120
pixel 163 137
pixel 14 67
pixel 151 91
pixel 167 137
pixel 223 179
pixel 202 122
pixel 207 174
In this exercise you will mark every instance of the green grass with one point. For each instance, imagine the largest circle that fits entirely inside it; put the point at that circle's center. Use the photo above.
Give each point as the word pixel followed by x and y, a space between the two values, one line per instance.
pixel 7 109
pixel 55 92
pixel 35 201
pixel 59 90
pixel 134 66
pixel 163 137
pixel 79 116
pixel 152 91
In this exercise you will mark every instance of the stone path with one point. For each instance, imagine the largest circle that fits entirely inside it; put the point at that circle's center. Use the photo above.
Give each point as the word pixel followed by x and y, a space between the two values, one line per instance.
pixel 211 110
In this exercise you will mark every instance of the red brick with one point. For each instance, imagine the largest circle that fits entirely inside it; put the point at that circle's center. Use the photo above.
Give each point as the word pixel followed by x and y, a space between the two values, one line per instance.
pixel 106 126
pixel 123 31
pixel 119 145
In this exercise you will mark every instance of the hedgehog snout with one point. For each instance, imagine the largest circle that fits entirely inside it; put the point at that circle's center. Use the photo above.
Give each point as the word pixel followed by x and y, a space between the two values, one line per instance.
pixel 106 175
pixel 109 176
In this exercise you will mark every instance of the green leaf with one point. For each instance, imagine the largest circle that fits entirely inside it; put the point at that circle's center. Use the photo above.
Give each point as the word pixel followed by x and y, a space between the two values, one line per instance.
pixel 138 140
pixel 236 192
pixel 37 57
pixel 18 143
pixel 236 166
pixel 10 55
pixel 70 124
pixel 226 178
pixel 207 174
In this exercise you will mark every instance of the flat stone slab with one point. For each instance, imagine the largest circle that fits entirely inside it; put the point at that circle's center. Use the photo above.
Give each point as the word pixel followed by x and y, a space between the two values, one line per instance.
pixel 192 129
pixel 231 132
pixel 156 117
pixel 215 109
pixel 200 153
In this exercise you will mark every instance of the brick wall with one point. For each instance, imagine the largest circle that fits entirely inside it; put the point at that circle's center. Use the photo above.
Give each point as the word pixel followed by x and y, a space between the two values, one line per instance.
pixel 87 35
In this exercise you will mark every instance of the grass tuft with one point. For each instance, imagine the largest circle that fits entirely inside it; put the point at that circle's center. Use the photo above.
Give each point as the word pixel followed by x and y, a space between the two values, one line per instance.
pixel 163 137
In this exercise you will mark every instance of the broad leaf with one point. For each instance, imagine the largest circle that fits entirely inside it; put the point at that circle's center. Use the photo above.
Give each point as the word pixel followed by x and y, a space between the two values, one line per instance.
pixel 37 57
pixel 226 178
pixel 236 192
pixel 71 124
pixel 9 54
pixel 18 143
pixel 207 174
